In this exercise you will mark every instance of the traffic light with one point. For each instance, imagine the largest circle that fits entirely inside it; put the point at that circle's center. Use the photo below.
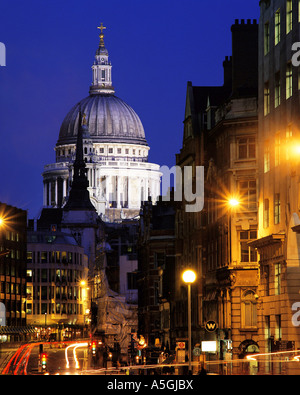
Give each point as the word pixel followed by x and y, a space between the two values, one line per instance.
pixel 94 347
pixel 44 360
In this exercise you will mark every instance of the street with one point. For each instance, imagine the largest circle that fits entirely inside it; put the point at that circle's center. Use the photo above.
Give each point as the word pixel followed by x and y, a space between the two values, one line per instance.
pixel 60 358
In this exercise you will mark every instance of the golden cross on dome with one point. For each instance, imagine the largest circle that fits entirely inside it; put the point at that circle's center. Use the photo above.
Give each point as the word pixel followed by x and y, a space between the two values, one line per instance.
pixel 101 27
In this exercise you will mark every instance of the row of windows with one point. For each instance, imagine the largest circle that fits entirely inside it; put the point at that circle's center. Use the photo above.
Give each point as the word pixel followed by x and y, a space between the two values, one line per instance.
pixel 11 288
pixel 278 148
pixel 276 280
pixel 278 90
pixel 54 308
pixel 125 151
pixel 245 146
pixel 270 328
pixel 276 211
pixel 51 292
pixel 102 150
pixel 53 275
pixel 14 306
pixel 12 236
pixel 12 269
pixel 13 254
pixel 277 25
pixel 54 257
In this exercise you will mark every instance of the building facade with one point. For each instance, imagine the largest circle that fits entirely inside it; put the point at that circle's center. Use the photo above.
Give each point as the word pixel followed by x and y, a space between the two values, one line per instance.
pixel 278 233
pixel 115 151
pixel 56 299
pixel 220 134
pixel 231 272
pixel 156 277
pixel 13 222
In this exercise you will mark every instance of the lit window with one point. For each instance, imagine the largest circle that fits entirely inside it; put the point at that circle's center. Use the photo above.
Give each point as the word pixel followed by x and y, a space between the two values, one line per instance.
pixel 289 16
pixel 277 208
pixel 277 27
pixel 248 254
pixel 266 157
pixel 267 99
pixel 29 257
pixel 267 38
pixel 289 80
pixel 64 257
pixel 247 192
pixel 266 213
pixel 278 329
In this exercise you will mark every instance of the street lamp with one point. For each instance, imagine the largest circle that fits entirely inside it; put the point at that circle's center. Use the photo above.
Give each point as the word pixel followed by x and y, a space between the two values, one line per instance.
pixel 189 277
pixel 233 202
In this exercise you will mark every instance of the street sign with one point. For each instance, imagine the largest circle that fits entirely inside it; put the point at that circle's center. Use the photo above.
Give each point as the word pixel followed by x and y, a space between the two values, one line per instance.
pixel 197 351
pixel 211 326
pixel 181 345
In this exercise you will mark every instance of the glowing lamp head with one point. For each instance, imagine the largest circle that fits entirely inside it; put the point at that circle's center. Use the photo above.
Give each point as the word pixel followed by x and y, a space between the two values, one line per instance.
pixel 296 149
pixel 233 202
pixel 189 276
pixel 1 221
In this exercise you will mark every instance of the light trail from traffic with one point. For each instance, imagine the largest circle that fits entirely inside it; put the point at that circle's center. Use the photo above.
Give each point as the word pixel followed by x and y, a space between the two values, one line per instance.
pixel 75 355
pixel 253 357
pixel 18 363
pixel 75 345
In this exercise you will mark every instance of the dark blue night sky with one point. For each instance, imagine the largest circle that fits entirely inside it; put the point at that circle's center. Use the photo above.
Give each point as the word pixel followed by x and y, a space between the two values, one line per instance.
pixel 155 47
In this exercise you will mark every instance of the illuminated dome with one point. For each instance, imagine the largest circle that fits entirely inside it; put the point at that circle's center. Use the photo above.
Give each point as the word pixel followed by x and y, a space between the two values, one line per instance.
pixel 109 119
pixel 115 151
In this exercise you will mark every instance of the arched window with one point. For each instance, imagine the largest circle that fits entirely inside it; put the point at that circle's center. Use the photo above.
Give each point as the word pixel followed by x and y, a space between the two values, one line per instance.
pixel 249 310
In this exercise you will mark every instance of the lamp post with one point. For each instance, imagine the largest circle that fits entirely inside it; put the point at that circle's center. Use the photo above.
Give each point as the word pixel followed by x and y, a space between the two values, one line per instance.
pixel 189 277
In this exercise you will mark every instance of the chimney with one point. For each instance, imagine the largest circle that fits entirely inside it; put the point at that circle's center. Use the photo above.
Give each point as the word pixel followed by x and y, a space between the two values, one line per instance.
pixel 227 66
pixel 244 58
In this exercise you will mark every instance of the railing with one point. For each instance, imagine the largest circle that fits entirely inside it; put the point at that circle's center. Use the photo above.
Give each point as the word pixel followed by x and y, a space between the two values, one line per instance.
pixel 106 163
